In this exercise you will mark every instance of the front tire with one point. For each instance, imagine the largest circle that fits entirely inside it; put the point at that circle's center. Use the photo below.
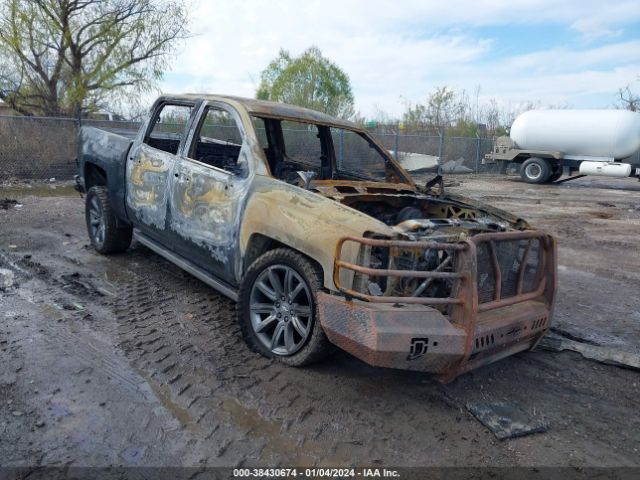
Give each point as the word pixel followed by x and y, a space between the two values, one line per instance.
pixel 277 308
pixel 105 236
pixel 535 170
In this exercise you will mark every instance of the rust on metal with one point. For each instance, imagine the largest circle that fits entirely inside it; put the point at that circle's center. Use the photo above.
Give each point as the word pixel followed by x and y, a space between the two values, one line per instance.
pixel 395 244
pixel 496 270
pixel 525 259
pixel 486 331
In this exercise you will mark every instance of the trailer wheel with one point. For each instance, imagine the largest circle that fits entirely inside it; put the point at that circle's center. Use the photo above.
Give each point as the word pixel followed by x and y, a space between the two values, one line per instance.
pixel 535 170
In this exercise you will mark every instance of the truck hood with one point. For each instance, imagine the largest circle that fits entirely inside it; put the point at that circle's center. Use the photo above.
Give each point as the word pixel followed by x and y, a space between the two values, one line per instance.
pixel 408 211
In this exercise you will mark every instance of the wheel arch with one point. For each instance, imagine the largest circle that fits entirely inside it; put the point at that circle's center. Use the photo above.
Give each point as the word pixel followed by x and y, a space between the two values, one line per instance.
pixel 260 244
pixel 94 175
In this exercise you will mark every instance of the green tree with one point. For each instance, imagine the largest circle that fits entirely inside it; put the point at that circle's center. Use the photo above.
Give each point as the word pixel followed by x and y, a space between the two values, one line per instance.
pixel 309 80
pixel 69 57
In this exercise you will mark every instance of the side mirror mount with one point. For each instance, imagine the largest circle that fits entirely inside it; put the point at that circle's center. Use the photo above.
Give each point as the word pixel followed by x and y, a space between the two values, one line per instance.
pixel 435 186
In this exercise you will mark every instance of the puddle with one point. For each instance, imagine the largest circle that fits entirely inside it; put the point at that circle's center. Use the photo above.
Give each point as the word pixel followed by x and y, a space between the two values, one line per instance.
pixel 116 273
pixel 51 311
pixel 299 453
pixel 164 395
pixel 249 419
pixel 616 186
pixel 133 455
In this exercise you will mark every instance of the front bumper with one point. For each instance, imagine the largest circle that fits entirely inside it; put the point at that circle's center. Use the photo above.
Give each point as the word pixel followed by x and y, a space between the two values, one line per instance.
pixel 411 333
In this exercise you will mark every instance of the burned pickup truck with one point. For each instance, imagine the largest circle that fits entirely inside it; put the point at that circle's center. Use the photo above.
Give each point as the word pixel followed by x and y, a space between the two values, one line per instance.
pixel 319 235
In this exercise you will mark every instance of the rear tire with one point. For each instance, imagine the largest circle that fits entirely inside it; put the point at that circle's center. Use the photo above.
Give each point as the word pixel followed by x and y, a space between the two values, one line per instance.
pixel 535 170
pixel 105 236
pixel 277 308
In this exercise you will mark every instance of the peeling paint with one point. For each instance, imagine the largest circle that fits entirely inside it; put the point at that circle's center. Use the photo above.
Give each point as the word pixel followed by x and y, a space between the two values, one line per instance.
pixel 148 185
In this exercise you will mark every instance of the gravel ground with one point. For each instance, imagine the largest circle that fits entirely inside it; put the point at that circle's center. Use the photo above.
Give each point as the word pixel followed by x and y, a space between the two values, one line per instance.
pixel 127 360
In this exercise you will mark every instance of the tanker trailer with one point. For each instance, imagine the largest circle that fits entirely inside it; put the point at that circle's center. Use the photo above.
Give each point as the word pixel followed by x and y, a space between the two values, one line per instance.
pixel 549 143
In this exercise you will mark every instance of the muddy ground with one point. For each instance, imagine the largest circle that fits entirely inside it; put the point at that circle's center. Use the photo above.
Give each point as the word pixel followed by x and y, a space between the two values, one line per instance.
pixel 126 360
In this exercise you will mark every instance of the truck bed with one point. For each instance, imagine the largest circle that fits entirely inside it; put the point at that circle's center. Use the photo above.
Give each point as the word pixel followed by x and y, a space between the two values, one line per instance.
pixel 102 146
pixel 107 153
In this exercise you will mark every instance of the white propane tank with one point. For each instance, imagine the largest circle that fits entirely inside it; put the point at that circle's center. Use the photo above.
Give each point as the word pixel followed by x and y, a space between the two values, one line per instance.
pixel 594 133
pixel 608 169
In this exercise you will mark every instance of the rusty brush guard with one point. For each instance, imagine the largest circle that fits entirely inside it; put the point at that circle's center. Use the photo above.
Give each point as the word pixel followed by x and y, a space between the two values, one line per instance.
pixel 394 246
pixel 494 296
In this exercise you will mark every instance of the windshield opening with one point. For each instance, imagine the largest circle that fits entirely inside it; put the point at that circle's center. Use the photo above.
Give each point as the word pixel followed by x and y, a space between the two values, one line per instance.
pixel 330 153
pixel 357 156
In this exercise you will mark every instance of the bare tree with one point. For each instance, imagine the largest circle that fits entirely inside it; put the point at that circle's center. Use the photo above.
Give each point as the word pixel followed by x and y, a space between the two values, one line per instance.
pixel 460 114
pixel 66 57
pixel 629 100
pixel 444 108
pixel 491 116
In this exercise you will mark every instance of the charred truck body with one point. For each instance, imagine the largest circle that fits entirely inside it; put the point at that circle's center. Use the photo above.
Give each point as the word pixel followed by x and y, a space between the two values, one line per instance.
pixel 320 236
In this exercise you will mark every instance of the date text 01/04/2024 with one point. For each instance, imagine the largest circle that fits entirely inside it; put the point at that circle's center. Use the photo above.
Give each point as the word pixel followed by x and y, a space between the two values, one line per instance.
pixel 314 473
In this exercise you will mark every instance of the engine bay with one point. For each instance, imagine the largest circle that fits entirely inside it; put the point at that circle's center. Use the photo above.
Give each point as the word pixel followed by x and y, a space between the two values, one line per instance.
pixel 416 216
pixel 419 215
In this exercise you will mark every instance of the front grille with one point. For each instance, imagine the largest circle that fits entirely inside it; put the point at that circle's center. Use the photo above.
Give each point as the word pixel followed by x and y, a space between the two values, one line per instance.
pixel 503 259
pixel 402 271
pixel 409 260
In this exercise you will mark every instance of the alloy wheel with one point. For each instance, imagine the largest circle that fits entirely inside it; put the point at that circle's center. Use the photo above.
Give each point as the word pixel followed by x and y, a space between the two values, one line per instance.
pixel 281 309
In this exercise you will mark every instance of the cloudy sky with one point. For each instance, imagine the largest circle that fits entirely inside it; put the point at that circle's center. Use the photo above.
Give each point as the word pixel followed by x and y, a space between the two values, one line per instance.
pixel 575 53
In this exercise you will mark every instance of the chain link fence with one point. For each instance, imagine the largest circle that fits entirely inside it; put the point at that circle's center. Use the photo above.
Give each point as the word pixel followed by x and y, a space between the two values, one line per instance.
pixel 32 147
pixel 42 148
pixel 454 154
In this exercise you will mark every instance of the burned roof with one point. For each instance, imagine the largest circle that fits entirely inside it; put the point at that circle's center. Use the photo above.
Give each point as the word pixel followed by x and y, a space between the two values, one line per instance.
pixel 265 108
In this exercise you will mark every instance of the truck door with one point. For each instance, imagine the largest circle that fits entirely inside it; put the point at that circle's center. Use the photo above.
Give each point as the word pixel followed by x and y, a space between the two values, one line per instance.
pixel 208 189
pixel 150 164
